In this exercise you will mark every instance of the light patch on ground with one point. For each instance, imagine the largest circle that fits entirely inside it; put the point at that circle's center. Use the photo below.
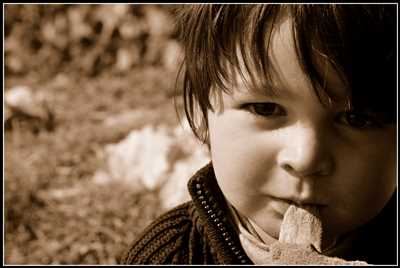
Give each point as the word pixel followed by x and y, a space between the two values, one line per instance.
pixel 154 158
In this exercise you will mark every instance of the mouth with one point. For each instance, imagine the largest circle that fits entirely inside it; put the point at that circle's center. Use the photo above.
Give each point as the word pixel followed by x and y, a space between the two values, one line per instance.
pixel 282 204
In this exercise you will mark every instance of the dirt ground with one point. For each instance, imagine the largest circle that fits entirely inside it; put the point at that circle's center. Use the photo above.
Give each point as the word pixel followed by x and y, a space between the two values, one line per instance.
pixel 54 213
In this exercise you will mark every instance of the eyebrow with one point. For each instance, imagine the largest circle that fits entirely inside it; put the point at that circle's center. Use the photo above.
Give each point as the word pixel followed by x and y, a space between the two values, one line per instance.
pixel 268 89
pixel 277 89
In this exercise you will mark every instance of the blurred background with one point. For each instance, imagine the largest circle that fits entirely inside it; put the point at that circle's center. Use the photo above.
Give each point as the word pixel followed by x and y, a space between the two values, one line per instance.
pixel 94 147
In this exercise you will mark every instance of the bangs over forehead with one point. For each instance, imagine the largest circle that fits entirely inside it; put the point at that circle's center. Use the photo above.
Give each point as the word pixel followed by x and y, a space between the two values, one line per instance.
pixel 358 41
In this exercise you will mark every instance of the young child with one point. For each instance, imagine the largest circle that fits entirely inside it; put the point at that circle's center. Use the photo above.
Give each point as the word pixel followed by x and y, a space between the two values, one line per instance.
pixel 297 104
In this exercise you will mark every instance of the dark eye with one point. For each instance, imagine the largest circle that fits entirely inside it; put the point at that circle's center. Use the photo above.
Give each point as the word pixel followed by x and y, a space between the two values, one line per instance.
pixel 265 109
pixel 359 120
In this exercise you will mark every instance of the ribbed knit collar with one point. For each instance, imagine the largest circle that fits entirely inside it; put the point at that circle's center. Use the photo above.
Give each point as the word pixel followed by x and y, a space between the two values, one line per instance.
pixel 214 214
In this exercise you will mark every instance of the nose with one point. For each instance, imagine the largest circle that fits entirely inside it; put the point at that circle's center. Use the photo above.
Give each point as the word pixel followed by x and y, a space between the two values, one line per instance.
pixel 305 153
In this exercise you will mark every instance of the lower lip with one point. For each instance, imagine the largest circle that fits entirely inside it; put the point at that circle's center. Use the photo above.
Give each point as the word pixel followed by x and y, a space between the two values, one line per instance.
pixel 280 205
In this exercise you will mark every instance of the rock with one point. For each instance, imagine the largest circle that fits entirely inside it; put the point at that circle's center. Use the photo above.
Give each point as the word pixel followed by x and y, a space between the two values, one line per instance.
pixel 174 191
pixel 23 100
pixel 78 28
pixel 172 55
pixel 140 157
pixel 126 58
pixel 194 155
pixel 131 28
pixel 33 109
pixel 126 121
pixel 159 22
pixel 155 159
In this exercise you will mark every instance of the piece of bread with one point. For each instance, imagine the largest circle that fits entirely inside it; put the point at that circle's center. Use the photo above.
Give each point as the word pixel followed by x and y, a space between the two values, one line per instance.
pixel 300 239
pixel 290 254
pixel 302 226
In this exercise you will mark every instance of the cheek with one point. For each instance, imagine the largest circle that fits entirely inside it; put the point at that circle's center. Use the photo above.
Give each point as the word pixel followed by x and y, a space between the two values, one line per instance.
pixel 235 158
pixel 363 185
pixel 240 158
pixel 370 173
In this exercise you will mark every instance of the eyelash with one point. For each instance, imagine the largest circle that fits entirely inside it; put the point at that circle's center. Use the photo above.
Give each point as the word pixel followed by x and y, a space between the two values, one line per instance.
pixel 359 120
pixel 254 108
pixel 353 119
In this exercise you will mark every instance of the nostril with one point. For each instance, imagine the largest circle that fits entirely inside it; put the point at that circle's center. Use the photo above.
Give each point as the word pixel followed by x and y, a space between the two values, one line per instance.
pixel 317 163
pixel 288 167
pixel 323 169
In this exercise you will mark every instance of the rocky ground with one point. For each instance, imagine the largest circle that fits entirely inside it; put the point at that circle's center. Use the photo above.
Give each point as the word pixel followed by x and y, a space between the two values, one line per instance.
pixel 92 154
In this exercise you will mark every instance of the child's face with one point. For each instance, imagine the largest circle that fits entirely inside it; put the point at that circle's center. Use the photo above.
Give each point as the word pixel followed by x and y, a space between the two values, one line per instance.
pixel 291 148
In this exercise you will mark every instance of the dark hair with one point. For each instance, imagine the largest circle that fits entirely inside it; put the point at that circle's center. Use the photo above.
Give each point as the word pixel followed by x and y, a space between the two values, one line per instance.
pixel 358 40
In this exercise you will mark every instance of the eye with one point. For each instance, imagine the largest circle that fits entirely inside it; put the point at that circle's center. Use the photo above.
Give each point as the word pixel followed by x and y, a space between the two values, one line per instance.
pixel 265 109
pixel 359 120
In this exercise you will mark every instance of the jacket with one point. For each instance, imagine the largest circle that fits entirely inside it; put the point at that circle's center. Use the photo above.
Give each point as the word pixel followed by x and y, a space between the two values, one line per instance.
pixel 201 231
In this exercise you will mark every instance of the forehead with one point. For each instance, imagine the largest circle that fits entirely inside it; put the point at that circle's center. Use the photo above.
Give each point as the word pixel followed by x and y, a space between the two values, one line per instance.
pixel 285 72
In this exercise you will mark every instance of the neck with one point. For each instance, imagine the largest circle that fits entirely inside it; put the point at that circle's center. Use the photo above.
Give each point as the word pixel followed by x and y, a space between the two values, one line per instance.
pixel 251 227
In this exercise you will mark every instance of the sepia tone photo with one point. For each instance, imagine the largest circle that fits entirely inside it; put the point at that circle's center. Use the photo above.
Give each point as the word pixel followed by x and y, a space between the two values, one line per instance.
pixel 139 134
